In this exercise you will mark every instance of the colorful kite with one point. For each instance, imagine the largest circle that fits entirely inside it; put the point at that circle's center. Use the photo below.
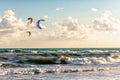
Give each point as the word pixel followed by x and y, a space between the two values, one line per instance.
pixel 30 20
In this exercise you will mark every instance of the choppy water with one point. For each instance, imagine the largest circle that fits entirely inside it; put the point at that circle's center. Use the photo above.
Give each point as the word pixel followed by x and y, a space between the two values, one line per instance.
pixel 59 64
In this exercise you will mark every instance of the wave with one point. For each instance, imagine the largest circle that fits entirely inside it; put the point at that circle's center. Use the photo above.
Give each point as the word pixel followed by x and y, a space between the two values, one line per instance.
pixel 60 59
pixel 27 62
pixel 55 69
pixel 76 57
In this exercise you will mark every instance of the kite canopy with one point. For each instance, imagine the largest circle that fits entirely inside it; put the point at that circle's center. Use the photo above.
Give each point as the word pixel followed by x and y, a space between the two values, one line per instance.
pixel 38 23
pixel 30 20
pixel 29 33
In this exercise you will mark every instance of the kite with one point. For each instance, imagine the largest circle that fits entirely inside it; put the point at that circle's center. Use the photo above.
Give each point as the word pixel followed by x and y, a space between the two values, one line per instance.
pixel 29 33
pixel 30 20
pixel 38 23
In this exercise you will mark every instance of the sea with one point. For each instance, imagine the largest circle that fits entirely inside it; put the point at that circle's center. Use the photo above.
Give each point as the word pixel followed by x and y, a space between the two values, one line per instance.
pixel 59 63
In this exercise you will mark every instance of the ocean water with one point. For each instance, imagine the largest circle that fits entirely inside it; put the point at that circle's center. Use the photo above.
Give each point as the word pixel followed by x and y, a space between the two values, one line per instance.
pixel 59 64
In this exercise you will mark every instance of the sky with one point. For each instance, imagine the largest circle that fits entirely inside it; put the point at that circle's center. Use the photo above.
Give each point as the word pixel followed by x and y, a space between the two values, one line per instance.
pixel 68 23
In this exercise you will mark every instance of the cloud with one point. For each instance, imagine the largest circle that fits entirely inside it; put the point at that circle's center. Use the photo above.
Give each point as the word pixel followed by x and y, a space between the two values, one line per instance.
pixel 47 17
pixel 58 9
pixel 70 29
pixel 106 22
pixel 9 20
pixel 94 9
pixel 0 19
pixel 13 31
pixel 104 29
pixel 13 28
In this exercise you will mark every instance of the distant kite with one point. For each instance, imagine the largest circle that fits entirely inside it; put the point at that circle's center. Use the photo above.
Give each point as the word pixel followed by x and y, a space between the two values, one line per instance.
pixel 30 20
pixel 38 23
pixel 29 33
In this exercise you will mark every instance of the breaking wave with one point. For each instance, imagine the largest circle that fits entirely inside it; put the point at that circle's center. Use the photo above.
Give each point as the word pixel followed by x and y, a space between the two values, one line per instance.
pixel 30 62
pixel 76 57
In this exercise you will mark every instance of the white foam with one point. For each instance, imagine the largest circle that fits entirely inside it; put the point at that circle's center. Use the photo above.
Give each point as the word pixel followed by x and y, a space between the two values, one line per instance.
pixel 55 69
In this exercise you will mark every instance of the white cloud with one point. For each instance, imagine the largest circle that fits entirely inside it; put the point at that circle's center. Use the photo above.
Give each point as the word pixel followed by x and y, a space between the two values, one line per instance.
pixel 14 30
pixel 60 8
pixel 9 13
pixel 47 17
pixel 105 28
pixel 0 19
pixel 106 22
pixel 9 20
pixel 94 9
pixel 70 29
